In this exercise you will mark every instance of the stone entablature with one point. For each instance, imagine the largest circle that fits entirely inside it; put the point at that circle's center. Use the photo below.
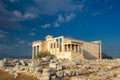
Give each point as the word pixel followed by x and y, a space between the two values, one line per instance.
pixel 68 48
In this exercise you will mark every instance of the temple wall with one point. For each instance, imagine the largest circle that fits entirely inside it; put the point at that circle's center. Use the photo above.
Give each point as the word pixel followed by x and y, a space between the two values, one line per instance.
pixel 91 50
pixel 77 56
pixel 68 48
pixel 66 55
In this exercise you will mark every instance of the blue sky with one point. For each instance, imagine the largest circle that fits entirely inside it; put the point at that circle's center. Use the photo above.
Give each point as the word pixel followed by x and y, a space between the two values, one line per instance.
pixel 24 21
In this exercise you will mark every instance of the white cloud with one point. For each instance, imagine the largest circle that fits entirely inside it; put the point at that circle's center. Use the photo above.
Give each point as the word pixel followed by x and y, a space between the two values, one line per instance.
pixel 29 15
pixel 46 26
pixel 56 24
pixel 17 13
pixel 6 18
pixel 70 17
pixel 50 7
pixel 13 0
pixel 32 34
pixel 4 47
pixel 25 16
pixel 3 34
pixel 60 18
pixel 100 12
pixel 64 19
pixel 21 42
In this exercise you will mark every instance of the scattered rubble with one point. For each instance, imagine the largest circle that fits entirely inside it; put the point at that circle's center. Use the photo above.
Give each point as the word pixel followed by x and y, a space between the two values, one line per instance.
pixel 63 69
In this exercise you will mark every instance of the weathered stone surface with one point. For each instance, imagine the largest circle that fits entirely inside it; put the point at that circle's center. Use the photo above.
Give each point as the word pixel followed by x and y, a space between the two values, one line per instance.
pixel 47 70
pixel 79 78
pixel 31 69
pixel 60 74
pixel 118 75
pixel 70 72
pixel 53 77
pixel 46 76
pixel 60 67
pixel 13 73
pixel 4 63
pixel 24 63
pixel 38 69
pixel 53 65
pixel 39 76
pixel 65 69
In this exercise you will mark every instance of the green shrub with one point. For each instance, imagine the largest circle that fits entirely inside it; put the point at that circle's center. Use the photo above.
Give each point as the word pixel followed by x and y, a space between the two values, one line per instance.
pixel 42 54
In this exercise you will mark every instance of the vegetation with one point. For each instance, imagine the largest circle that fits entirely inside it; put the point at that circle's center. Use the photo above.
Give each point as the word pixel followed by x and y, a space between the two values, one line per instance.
pixel 42 54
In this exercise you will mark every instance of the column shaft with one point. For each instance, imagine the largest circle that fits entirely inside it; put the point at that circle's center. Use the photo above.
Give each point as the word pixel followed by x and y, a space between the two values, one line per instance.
pixel 74 48
pixel 81 49
pixel 33 53
pixel 100 50
pixel 78 48
pixel 70 47
pixel 67 47
pixel 55 48
pixel 63 47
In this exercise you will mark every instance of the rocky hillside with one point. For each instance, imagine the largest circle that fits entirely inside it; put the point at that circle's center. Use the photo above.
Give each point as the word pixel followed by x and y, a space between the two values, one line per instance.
pixel 63 69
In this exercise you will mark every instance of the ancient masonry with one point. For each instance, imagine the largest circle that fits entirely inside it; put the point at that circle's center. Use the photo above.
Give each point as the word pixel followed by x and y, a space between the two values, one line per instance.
pixel 68 48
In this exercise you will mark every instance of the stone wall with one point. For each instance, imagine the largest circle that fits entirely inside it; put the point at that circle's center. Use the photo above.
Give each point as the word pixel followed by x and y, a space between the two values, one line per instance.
pixel 66 55
pixel 44 46
pixel 91 50
pixel 77 56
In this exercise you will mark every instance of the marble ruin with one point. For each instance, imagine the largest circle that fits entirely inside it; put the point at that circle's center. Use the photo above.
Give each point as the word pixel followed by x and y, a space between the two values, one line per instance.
pixel 68 48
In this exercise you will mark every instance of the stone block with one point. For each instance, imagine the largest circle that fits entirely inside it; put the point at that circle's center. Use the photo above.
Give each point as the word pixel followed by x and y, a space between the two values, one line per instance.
pixel 47 70
pixel 60 67
pixel 53 77
pixel 60 74
pixel 38 69
pixel 45 76
pixel 53 65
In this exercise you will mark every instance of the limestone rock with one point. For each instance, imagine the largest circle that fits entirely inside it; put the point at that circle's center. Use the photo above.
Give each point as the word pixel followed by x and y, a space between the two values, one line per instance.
pixel 13 73
pixel 60 74
pixel 60 67
pixel 53 65
pixel 38 69
pixel 47 70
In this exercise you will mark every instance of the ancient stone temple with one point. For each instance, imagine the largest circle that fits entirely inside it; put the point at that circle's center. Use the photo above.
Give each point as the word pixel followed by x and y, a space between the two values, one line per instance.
pixel 72 49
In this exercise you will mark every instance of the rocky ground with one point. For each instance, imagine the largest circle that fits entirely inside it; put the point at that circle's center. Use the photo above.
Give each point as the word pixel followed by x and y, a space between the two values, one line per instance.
pixel 62 69
pixel 6 76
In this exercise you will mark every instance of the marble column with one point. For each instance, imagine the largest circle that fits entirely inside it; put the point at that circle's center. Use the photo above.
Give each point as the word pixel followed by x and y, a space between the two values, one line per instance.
pixel 63 47
pixel 78 48
pixel 74 48
pixel 81 49
pixel 33 52
pixel 70 47
pixel 67 47
pixel 37 50
pixel 100 46
pixel 55 47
